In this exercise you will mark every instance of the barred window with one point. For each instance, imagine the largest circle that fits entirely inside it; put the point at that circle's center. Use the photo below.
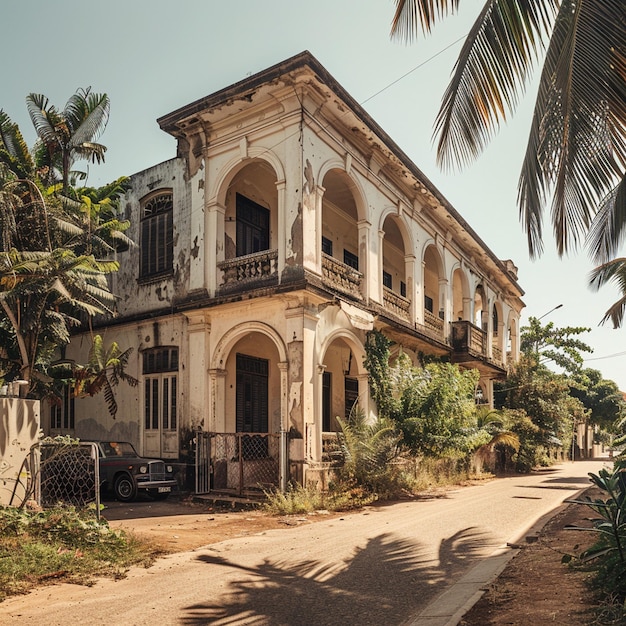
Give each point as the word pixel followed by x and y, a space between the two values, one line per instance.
pixel 157 235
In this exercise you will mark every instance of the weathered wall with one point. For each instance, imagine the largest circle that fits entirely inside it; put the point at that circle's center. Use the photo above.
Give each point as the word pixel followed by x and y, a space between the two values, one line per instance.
pixel 19 431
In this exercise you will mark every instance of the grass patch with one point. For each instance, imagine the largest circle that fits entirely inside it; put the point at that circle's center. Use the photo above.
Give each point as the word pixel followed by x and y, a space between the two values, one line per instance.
pixel 63 543
pixel 406 477
pixel 297 500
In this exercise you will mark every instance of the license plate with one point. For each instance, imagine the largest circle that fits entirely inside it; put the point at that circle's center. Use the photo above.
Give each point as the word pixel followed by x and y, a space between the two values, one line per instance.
pixel 164 489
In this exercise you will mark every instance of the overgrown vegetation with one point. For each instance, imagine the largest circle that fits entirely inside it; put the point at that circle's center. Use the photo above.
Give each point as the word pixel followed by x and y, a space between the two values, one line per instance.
pixel 607 555
pixel 57 247
pixel 63 543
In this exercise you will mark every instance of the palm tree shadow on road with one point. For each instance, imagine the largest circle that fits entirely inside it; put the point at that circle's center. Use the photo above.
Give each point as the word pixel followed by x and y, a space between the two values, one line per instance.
pixel 384 583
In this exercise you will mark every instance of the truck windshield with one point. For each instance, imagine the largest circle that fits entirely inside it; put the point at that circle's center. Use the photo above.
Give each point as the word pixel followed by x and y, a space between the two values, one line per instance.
pixel 118 448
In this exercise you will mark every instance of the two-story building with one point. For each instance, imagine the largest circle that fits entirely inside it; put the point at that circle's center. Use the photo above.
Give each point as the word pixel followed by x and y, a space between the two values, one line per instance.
pixel 288 225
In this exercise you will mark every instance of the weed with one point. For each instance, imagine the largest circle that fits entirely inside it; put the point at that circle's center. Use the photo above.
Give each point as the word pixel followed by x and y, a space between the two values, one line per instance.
pixel 38 547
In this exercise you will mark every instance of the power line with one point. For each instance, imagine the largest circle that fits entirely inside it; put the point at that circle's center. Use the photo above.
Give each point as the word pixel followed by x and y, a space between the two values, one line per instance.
pixel 608 356
pixel 417 67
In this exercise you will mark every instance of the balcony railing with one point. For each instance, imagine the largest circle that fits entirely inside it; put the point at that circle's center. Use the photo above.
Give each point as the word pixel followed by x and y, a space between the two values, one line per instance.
pixel 249 268
pixel 433 323
pixel 496 353
pixel 340 276
pixel 396 304
pixel 469 338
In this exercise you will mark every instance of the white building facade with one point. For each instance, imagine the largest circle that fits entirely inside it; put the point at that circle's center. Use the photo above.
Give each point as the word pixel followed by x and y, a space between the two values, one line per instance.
pixel 287 226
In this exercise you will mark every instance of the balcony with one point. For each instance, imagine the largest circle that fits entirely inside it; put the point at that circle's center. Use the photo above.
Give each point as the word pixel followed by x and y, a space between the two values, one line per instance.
pixel 469 339
pixel 397 305
pixel 341 277
pixel 246 271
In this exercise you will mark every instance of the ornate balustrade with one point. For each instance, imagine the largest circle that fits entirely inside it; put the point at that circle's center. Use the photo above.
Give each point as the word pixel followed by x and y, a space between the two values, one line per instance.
pixel 340 276
pixel 433 323
pixel 496 353
pixel 396 304
pixel 249 268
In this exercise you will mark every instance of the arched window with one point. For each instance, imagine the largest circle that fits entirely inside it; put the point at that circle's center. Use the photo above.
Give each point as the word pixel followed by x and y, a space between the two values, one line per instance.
pixel 157 235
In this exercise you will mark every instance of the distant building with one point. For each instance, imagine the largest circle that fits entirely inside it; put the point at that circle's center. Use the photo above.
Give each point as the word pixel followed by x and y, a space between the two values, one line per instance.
pixel 288 225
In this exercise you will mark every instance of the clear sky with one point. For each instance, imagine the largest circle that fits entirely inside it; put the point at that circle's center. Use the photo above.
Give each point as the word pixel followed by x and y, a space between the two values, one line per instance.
pixel 154 56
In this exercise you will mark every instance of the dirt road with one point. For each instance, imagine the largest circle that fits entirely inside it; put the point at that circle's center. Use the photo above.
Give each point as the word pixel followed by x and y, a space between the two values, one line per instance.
pixel 379 566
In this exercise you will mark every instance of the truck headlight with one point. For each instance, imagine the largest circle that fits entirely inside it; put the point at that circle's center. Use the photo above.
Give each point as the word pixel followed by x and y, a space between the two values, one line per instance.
pixel 143 469
pixel 169 469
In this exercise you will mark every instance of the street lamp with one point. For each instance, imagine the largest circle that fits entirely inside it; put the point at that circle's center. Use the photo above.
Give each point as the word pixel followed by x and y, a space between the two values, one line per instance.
pixel 558 306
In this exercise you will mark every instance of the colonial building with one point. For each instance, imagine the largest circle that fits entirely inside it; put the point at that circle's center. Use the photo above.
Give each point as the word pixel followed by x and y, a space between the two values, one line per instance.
pixel 288 225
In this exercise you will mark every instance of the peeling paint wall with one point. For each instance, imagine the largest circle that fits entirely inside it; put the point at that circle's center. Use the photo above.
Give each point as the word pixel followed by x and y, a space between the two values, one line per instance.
pixel 138 297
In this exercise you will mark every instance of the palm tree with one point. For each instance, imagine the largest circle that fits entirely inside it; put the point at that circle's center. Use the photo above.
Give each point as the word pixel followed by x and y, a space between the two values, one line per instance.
pixel 105 369
pixel 48 276
pixel 576 153
pixel 68 135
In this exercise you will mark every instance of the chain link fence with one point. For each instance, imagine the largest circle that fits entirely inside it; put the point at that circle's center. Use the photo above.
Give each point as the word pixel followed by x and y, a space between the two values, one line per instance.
pixel 69 474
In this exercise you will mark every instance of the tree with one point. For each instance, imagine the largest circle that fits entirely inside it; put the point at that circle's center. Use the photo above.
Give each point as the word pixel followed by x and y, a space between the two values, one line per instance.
pixel 601 397
pixel 545 398
pixel 575 157
pixel 557 345
pixel 50 277
pixel 68 135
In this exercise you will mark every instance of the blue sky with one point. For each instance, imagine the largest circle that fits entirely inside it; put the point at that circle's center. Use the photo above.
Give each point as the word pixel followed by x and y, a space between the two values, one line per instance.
pixel 153 56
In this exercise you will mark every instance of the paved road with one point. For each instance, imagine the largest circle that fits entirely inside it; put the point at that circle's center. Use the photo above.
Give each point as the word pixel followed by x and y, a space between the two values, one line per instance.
pixel 382 566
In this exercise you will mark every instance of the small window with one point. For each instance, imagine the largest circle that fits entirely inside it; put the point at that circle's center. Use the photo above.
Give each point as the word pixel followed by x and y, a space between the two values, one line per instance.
pixel 351 259
pixel 327 246
pixel 403 289
pixel 428 304
pixel 157 235
pixel 387 280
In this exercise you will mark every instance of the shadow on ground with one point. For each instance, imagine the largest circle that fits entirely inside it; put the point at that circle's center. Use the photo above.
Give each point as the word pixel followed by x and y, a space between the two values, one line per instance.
pixel 354 592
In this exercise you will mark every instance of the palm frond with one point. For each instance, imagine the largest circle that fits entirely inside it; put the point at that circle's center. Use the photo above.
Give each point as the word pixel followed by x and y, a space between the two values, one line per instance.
pixel 87 114
pixel 576 148
pixel 611 272
pixel 43 116
pixel 17 151
pixel 490 73
pixel 411 14
pixel 606 234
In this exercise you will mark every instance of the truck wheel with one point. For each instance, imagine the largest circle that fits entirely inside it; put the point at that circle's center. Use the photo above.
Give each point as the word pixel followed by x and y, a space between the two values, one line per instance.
pixel 125 488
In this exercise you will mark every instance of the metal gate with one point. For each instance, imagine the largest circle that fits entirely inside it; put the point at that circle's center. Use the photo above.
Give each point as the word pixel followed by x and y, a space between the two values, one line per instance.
pixel 203 462
pixel 237 463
